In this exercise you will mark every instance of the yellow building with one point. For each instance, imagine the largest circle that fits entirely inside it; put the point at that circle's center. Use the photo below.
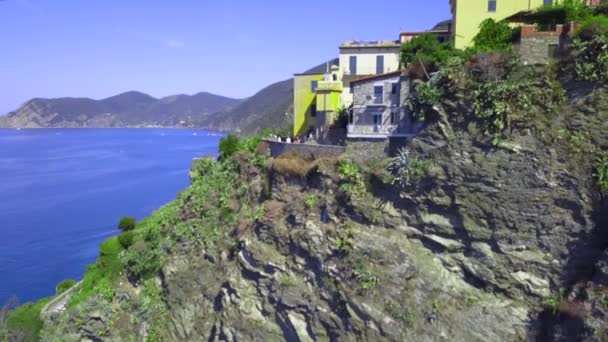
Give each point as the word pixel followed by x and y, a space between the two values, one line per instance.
pixel 467 15
pixel 305 101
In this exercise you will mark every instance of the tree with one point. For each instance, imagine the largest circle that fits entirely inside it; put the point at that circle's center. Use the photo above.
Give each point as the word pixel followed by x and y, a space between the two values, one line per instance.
pixel 229 145
pixel 126 223
pixel 425 48
pixel 493 36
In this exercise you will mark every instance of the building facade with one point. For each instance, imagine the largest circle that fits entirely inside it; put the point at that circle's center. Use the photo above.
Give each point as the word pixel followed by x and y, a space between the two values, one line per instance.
pixel 467 15
pixel 358 59
pixel 378 111
pixel 305 101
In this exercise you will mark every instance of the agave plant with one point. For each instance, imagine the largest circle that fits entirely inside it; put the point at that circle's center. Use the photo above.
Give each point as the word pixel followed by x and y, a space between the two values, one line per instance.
pixel 399 166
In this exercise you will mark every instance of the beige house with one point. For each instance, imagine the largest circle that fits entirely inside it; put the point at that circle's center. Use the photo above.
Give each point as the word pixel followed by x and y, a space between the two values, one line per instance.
pixel 358 58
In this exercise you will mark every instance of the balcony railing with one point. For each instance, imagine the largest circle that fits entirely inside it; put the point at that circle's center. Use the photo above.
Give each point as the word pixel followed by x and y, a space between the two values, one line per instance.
pixel 378 130
pixel 329 86
pixel 377 99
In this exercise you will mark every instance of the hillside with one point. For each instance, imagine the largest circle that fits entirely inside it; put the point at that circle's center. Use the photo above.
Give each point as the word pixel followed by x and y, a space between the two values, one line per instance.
pixel 129 109
pixel 271 107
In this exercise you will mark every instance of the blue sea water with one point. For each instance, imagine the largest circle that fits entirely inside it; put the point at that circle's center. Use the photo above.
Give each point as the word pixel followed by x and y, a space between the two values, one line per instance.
pixel 62 191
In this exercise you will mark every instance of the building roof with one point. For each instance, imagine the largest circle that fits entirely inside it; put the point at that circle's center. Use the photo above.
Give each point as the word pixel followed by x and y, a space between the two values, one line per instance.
pixel 444 25
pixel 532 17
pixel 370 44
pixel 373 77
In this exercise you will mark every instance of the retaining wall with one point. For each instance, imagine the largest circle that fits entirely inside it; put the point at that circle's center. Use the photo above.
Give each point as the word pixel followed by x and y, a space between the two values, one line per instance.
pixel 304 150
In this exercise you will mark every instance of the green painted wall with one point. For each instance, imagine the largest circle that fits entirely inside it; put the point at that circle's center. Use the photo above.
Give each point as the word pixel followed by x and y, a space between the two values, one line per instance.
pixel 328 101
pixel 303 98
pixel 470 13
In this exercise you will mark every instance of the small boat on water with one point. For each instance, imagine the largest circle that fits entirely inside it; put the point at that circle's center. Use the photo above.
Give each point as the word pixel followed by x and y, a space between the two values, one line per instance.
pixel 18 128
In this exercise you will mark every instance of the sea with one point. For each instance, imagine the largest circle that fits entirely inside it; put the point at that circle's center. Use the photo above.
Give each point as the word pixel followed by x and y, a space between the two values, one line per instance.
pixel 62 192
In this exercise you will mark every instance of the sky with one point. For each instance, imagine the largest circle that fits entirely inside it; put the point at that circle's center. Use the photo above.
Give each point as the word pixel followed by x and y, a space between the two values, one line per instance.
pixel 99 48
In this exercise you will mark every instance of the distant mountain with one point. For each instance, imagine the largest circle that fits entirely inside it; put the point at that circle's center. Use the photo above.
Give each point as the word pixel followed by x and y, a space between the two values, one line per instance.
pixel 270 107
pixel 130 109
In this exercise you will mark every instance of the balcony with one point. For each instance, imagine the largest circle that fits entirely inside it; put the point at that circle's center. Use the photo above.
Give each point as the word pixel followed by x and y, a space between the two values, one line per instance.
pixel 378 131
pixel 329 86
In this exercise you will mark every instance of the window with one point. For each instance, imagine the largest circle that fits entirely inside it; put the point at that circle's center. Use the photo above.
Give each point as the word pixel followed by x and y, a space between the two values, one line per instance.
pixel 334 77
pixel 313 86
pixel 353 65
pixel 313 110
pixel 394 118
pixel 351 117
pixel 553 50
pixel 548 2
pixel 394 88
pixel 378 90
pixel 377 119
pixel 379 64
pixel 492 5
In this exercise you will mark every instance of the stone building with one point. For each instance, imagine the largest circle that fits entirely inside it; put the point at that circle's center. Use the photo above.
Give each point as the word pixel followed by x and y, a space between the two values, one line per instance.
pixel 378 111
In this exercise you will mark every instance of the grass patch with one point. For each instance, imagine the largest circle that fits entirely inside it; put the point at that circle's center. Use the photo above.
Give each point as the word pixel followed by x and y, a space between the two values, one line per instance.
pixel 292 164
pixel 100 276
pixel 25 321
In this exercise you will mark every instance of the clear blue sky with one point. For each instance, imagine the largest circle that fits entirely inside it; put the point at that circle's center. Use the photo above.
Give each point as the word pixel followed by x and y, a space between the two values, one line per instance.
pixel 96 48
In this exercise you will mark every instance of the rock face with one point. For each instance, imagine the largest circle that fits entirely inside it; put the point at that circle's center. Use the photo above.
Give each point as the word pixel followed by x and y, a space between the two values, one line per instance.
pixel 502 243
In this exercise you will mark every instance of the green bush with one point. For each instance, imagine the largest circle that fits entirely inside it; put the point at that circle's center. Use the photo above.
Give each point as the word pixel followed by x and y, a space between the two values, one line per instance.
pixel 493 36
pixel 144 259
pixel 423 99
pixel 229 145
pixel 601 172
pixel 100 276
pixel 126 239
pixel 565 11
pixel 591 58
pixel 498 104
pixel 352 179
pixel 25 321
pixel 126 223
pixel 425 48
pixel 64 286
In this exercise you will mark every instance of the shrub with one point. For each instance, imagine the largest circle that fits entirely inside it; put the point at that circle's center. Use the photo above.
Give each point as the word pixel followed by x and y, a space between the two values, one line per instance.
pixel 311 201
pixel 427 49
pixel 491 66
pixel 601 172
pixel 493 36
pixel 342 119
pixel 144 260
pixel 126 223
pixel 228 145
pixel 352 179
pixel 569 10
pixel 423 99
pixel 100 276
pixel 589 50
pixel 64 286
pixel 25 322
pixel 293 165
pixel 126 239
pixel 406 168
pixel 497 105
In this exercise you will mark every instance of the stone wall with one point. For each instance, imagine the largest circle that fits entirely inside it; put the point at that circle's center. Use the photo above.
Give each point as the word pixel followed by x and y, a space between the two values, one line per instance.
pixel 536 50
pixel 304 150
pixel 370 150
